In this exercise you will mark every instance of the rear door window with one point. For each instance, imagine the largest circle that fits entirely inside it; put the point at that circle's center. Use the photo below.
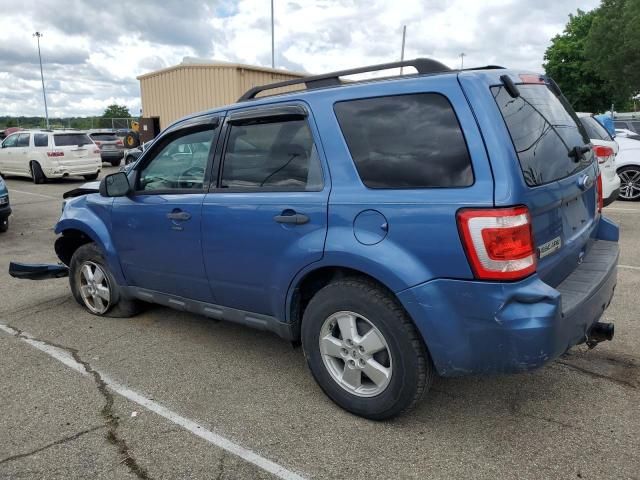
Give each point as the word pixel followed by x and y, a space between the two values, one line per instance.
pixel 405 141
pixel 40 139
pixel 71 139
pixel 544 130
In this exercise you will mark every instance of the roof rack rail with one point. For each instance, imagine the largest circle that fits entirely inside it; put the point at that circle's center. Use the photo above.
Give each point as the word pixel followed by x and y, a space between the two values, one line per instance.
pixel 422 65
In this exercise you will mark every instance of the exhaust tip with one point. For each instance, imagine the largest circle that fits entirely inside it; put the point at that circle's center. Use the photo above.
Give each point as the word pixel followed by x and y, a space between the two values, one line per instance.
pixel 600 331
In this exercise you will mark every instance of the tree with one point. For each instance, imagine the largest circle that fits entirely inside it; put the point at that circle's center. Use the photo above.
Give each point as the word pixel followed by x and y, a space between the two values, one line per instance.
pixel 613 45
pixel 567 64
pixel 116 111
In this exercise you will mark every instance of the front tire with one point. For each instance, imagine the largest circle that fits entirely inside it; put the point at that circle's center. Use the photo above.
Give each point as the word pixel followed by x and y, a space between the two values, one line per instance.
pixel 94 287
pixel 37 174
pixel 364 351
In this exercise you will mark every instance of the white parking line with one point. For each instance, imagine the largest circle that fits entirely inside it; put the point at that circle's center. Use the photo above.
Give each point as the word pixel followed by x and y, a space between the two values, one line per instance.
pixel 631 267
pixel 34 194
pixel 250 456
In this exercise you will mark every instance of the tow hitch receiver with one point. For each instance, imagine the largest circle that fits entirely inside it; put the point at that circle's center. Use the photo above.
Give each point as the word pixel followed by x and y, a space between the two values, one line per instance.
pixel 599 332
pixel 37 271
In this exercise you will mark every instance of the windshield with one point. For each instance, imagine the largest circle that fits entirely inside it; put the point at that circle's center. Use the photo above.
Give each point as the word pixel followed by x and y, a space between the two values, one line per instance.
pixel 71 139
pixel 548 139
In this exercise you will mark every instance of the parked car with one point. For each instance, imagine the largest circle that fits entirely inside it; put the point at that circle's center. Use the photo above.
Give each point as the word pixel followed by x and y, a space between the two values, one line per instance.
pixel 446 222
pixel 111 146
pixel 45 154
pixel 132 154
pixel 628 167
pixel 623 132
pixel 605 149
pixel 5 207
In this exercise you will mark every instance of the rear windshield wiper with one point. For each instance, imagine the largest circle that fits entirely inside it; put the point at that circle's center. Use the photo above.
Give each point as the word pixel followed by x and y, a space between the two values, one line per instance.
pixel 577 152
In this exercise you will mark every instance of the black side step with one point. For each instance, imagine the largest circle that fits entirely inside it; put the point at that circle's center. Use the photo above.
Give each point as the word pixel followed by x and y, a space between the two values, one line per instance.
pixel 37 271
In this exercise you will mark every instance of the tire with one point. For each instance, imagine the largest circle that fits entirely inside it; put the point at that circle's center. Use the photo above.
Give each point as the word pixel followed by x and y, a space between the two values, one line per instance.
pixel 404 356
pixel 115 163
pixel 4 224
pixel 37 174
pixel 112 304
pixel 129 159
pixel 93 176
pixel 629 183
pixel 132 140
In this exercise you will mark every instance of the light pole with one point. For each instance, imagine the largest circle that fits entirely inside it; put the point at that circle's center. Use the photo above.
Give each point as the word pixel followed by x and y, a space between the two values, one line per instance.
pixel 462 55
pixel 44 95
pixel 273 42
pixel 404 37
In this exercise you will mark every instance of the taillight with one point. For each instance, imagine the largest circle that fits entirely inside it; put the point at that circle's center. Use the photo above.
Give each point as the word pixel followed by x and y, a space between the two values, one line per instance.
pixel 599 193
pixel 498 242
pixel 120 143
pixel 97 150
pixel 602 153
pixel 55 153
pixel 97 142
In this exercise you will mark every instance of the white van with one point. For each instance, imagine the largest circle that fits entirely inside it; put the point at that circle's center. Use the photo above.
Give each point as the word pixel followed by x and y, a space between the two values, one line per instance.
pixel 43 154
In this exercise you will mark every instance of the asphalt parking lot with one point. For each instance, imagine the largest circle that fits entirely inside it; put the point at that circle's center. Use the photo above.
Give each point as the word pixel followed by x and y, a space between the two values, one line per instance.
pixel 173 395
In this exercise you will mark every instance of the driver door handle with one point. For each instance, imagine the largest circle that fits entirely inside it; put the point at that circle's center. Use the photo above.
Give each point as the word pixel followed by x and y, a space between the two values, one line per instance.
pixel 179 215
pixel 289 216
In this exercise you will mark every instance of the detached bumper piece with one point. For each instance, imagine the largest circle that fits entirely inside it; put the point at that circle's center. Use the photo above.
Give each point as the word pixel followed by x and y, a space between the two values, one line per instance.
pixel 37 271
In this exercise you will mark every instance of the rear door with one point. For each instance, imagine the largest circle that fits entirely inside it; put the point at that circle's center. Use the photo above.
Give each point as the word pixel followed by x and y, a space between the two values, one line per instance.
pixel 557 165
pixel 266 218
pixel 77 147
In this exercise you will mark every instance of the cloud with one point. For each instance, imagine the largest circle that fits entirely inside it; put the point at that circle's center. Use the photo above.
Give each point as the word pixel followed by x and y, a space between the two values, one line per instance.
pixel 92 53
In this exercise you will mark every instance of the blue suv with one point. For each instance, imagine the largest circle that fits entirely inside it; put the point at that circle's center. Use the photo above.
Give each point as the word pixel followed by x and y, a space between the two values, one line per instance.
pixel 441 223
pixel 5 207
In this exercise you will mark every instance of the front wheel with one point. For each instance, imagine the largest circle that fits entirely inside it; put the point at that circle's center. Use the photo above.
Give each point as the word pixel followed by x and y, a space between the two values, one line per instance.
pixel 94 287
pixel 364 351
pixel 629 182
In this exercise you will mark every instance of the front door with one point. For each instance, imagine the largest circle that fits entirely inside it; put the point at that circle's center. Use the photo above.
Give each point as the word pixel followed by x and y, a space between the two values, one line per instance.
pixel 156 229
pixel 267 218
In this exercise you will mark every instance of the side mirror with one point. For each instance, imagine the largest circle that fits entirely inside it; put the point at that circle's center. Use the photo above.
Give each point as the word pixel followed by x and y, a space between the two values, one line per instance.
pixel 115 185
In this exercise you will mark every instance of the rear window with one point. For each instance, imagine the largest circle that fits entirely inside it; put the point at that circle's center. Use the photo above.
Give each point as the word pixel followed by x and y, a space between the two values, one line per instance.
pixel 40 139
pixel 544 130
pixel 71 139
pixel 406 141
pixel 104 137
pixel 594 129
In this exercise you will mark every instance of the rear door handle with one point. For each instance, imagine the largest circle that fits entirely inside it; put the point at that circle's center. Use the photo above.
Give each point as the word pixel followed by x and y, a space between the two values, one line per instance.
pixel 293 218
pixel 179 215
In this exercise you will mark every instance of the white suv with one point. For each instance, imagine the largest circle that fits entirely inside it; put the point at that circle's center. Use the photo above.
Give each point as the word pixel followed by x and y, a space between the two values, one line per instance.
pixel 43 154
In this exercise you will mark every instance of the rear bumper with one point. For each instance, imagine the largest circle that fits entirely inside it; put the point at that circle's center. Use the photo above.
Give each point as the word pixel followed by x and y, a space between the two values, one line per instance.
pixel 481 327
pixel 67 170
pixel 111 154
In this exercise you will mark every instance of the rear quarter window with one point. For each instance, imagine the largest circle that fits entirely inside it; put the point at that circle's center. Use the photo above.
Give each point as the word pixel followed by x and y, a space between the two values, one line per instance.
pixel 405 141
pixel 40 140
pixel 71 139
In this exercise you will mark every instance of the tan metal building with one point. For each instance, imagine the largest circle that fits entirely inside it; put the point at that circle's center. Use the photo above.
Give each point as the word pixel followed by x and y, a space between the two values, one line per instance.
pixel 196 85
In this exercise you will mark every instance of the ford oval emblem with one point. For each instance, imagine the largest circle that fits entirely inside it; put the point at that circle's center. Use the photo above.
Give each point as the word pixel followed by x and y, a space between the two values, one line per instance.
pixel 585 182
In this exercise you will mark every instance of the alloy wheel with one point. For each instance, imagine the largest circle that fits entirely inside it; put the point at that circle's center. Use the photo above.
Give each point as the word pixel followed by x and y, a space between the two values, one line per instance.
pixel 94 288
pixel 630 184
pixel 356 354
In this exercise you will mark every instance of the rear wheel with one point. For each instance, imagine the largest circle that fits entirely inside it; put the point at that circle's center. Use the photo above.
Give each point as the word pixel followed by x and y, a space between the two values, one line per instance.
pixel 93 176
pixel 364 351
pixel 94 287
pixel 629 182
pixel 115 163
pixel 37 174
pixel 129 159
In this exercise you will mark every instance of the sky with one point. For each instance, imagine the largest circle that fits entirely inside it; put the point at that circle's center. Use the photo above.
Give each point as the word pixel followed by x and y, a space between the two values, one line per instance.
pixel 93 51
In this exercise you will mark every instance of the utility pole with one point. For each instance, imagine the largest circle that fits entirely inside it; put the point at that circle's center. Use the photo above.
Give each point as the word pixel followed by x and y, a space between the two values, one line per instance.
pixel 44 95
pixel 273 41
pixel 462 55
pixel 404 36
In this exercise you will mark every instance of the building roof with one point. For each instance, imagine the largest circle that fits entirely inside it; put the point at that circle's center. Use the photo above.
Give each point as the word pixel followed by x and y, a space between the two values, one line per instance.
pixel 192 62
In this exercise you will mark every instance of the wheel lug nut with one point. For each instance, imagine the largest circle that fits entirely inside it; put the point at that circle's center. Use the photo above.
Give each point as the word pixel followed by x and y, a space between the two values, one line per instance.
pixel 361 348
pixel 344 351
pixel 362 362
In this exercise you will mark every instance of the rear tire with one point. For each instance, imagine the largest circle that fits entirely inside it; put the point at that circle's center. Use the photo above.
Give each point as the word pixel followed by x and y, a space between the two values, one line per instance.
pixel 129 159
pixel 37 174
pixel 4 224
pixel 629 183
pixel 400 367
pixel 93 176
pixel 115 163
pixel 94 287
